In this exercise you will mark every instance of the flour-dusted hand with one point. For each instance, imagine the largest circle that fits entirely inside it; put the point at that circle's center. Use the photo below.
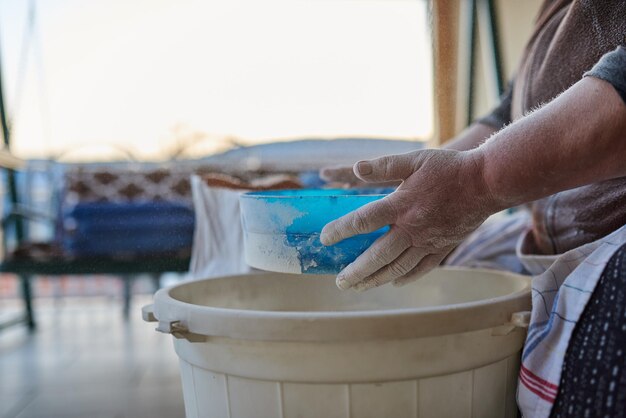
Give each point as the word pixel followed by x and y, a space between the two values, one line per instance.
pixel 441 200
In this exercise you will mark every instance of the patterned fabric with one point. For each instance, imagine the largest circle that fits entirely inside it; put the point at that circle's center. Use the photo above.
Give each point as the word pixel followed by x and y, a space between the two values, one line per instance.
pixel 148 209
pixel 593 381
pixel 560 295
pixel 128 184
pixel 561 289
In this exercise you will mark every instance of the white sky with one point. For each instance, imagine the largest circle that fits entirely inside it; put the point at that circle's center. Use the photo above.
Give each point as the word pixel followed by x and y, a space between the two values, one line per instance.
pixel 129 72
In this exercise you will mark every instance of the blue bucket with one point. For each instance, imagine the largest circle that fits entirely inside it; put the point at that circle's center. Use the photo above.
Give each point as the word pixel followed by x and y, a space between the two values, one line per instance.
pixel 282 228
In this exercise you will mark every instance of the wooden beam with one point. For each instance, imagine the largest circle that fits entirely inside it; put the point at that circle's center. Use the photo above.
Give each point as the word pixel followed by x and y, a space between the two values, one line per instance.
pixel 445 33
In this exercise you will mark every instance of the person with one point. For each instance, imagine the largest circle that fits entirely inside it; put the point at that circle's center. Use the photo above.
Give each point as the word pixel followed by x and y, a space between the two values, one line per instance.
pixel 556 142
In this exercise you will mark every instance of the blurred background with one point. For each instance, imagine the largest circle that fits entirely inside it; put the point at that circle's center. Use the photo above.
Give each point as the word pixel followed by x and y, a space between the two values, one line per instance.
pixel 137 74
pixel 110 107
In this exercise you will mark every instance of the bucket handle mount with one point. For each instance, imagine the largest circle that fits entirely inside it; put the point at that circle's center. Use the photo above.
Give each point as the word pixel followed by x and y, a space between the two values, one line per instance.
pixel 518 320
pixel 175 328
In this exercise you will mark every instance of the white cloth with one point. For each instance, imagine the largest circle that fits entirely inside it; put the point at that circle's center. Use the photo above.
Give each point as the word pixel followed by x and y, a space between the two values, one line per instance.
pixel 218 237
pixel 493 244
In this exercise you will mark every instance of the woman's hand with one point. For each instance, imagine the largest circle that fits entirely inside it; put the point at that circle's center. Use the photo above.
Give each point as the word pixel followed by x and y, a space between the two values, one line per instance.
pixel 576 139
pixel 441 200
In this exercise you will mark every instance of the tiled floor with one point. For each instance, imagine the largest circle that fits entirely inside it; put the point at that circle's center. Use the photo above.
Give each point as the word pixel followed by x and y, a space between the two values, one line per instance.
pixel 86 361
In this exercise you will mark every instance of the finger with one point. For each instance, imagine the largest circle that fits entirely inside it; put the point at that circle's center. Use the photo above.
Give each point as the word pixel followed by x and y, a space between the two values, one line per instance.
pixel 340 174
pixel 390 167
pixel 366 219
pixel 382 252
pixel 428 263
pixel 397 268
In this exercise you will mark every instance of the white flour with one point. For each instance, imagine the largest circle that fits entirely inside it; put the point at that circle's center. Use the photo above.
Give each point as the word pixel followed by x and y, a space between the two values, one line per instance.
pixel 270 252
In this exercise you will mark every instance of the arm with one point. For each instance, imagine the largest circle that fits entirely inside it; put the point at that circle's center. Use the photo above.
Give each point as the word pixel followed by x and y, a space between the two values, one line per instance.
pixel 578 138
pixel 471 137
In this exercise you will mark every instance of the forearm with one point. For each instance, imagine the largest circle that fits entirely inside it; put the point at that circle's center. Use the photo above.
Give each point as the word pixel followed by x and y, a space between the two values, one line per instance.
pixel 578 138
pixel 470 138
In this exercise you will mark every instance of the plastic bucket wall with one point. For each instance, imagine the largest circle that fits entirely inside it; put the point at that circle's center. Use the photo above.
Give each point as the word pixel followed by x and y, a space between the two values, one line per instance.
pixel 282 228
pixel 274 345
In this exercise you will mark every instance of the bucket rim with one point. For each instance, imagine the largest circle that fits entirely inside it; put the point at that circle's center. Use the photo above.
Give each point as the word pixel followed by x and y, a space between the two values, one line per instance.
pixel 297 194
pixel 254 324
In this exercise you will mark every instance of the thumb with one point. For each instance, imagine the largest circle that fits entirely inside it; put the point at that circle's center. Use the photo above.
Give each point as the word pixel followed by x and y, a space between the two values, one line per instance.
pixel 389 168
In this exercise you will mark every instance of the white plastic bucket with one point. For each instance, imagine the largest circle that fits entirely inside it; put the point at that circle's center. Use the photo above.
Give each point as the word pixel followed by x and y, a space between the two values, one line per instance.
pixel 277 345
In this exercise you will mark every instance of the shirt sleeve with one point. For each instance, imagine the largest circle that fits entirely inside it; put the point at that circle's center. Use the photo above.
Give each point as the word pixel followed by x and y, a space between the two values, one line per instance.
pixel 501 115
pixel 612 68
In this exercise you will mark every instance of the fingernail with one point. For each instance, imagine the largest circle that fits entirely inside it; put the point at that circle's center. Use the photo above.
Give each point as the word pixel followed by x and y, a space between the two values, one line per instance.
pixel 324 239
pixel 364 168
pixel 342 283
